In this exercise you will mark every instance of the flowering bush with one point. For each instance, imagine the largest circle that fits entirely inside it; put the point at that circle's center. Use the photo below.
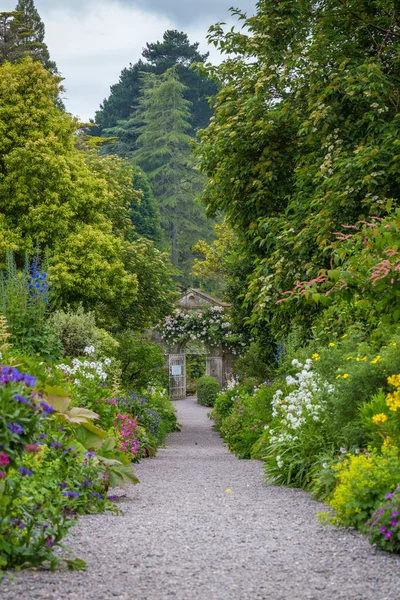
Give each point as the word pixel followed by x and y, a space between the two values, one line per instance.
pixel 211 326
pixel 384 524
pixel 24 301
pixel 126 427
pixel 29 530
pixel 363 481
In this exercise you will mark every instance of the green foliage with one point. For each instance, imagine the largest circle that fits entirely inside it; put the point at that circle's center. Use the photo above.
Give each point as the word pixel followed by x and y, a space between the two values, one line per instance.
pixel 77 330
pixel 223 406
pixel 145 216
pixel 252 366
pixel 304 139
pixel 74 202
pixel 174 50
pixel 24 302
pixel 195 368
pixel 163 151
pixel 363 482
pixel 22 35
pixel 207 390
pixel 142 362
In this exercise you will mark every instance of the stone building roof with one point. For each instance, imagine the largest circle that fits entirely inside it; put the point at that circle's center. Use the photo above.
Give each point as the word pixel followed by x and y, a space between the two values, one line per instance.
pixel 194 298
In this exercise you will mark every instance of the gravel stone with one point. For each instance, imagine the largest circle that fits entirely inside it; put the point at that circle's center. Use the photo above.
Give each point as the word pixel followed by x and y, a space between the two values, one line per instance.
pixel 183 536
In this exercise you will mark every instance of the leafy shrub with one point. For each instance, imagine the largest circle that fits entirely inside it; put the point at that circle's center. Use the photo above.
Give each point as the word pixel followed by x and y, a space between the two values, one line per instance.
pixel 77 330
pixel 142 362
pixel 245 421
pixel 207 390
pixel 223 406
pixel 252 365
pixel 363 481
pixel 384 524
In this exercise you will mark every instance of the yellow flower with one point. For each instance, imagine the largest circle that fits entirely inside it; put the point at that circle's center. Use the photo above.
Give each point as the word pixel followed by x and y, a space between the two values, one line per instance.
pixel 394 380
pixel 330 345
pixel 375 360
pixel 349 358
pixel 346 375
pixel 315 356
pixel 393 343
pixel 338 376
pixel 228 491
pixel 393 401
pixel 378 419
pixel 358 359
pixel 386 442
pixel 344 336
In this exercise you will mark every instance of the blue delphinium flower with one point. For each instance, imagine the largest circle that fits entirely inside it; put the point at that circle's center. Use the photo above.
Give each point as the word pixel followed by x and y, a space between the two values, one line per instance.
pixel 71 494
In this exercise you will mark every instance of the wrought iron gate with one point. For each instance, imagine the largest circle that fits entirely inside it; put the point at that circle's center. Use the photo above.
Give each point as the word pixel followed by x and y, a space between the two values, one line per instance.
pixel 177 376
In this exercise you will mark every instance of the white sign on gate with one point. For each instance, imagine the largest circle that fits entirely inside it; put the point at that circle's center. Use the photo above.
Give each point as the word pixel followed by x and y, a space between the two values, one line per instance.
pixel 176 370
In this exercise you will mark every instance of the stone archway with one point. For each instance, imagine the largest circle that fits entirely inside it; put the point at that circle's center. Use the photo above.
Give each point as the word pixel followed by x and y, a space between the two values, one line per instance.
pixel 218 362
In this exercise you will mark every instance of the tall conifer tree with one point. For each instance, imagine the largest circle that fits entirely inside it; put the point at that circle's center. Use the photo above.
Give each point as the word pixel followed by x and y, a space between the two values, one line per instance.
pixel 165 155
pixel 22 34
pixel 31 32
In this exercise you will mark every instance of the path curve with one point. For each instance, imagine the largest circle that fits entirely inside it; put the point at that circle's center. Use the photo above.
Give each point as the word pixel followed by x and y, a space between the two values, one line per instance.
pixel 183 537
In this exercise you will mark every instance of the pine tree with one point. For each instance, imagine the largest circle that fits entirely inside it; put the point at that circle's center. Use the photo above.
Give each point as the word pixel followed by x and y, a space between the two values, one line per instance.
pixel 22 34
pixel 8 37
pixel 145 216
pixel 176 50
pixel 31 33
pixel 165 155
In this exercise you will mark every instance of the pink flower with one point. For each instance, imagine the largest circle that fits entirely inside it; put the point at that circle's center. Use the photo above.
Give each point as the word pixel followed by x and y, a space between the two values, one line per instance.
pixel 4 459
pixel 2 475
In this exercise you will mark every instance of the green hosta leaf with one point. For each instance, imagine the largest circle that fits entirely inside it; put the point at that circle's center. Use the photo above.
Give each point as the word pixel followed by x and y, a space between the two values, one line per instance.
pixel 90 436
pixel 121 475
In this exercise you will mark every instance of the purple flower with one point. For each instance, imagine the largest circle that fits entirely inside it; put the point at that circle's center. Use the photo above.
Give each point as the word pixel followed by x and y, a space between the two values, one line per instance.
pixel 17 523
pixel 21 399
pixel 90 454
pixel 388 534
pixel 388 496
pixel 394 523
pixel 55 445
pixel 112 498
pixel 86 483
pixel 24 471
pixel 29 380
pixel 47 408
pixel 60 428
pixel 15 428
pixel 62 485
pixel 395 513
pixel 41 436
pixel 49 542
pixel 96 495
pixel 69 449
pixel 71 494
pixel 382 530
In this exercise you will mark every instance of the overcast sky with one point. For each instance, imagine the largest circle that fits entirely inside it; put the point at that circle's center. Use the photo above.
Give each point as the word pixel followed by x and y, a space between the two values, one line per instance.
pixel 93 40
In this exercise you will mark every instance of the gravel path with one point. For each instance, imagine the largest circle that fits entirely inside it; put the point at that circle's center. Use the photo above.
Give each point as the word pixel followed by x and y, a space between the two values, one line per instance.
pixel 183 537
